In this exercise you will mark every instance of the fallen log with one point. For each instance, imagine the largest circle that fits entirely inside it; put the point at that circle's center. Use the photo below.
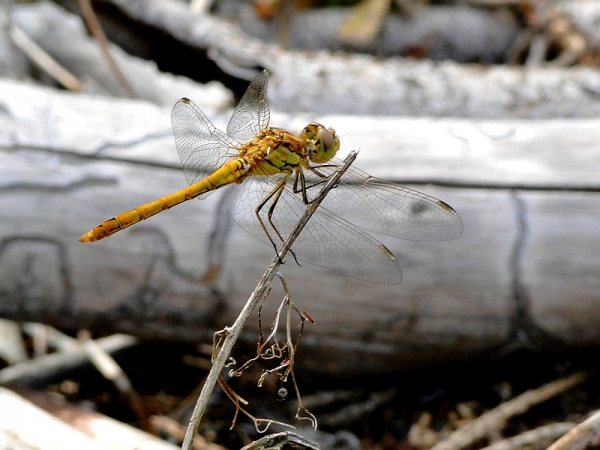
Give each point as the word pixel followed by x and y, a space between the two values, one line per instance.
pixel 319 82
pixel 523 272
pixel 58 425
pixel 326 82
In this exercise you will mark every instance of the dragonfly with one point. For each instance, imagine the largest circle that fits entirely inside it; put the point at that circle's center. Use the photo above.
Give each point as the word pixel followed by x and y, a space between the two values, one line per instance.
pixel 273 175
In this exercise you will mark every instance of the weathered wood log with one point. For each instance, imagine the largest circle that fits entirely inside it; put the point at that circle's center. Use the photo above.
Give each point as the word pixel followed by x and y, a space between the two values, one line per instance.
pixel 63 36
pixel 316 82
pixel 524 268
pixel 25 425
pixel 51 368
pixel 324 82
pixel 460 33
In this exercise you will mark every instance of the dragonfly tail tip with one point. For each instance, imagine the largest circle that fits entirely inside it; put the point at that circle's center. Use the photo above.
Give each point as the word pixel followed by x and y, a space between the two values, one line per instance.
pixel 87 237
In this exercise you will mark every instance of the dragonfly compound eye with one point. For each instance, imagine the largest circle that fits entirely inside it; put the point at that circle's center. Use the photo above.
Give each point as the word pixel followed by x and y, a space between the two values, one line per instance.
pixel 327 145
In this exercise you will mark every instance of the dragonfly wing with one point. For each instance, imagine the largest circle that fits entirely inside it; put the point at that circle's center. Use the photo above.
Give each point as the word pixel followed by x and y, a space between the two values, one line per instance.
pixel 252 112
pixel 326 241
pixel 388 208
pixel 201 147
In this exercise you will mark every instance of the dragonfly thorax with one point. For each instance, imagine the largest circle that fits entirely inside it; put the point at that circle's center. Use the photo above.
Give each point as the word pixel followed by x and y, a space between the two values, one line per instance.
pixel 322 143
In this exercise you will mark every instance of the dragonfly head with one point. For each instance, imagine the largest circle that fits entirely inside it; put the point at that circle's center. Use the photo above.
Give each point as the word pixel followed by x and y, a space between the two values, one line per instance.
pixel 323 143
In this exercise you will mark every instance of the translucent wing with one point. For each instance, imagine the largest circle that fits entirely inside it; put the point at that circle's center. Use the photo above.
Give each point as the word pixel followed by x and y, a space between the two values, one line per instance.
pixel 388 208
pixel 335 236
pixel 201 147
pixel 252 112
pixel 326 241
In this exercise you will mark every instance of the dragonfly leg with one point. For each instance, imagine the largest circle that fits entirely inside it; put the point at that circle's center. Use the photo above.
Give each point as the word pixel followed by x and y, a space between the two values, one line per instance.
pixel 270 217
pixel 304 188
pixel 276 192
pixel 274 197
pixel 322 175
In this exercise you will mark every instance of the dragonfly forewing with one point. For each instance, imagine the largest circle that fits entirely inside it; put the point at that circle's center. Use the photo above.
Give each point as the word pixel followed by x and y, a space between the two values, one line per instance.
pixel 202 148
pixel 251 115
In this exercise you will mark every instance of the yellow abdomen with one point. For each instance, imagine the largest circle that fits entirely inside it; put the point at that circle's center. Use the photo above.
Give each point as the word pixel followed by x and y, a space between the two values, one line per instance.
pixel 230 172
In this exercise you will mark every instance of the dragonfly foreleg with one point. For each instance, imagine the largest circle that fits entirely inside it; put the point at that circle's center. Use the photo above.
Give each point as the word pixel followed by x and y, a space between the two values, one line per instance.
pixel 314 170
pixel 323 176
pixel 303 185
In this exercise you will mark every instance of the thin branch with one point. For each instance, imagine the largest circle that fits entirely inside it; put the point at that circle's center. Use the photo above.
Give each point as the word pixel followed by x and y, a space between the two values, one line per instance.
pixel 537 438
pixel 584 435
pixel 263 286
pixel 173 428
pixel 109 368
pixel 94 26
pixel 496 418
pixel 238 401
pixel 286 439
pixel 48 368
pixel 43 60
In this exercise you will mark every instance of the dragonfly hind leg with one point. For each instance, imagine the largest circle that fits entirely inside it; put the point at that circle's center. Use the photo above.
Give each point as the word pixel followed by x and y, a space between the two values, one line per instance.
pixel 274 197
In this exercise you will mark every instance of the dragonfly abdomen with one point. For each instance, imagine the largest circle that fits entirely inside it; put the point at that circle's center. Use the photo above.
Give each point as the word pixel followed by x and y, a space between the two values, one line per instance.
pixel 231 172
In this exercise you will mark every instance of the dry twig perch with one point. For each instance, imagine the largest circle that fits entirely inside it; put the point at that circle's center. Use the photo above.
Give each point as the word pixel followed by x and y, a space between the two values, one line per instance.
pixel 260 291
